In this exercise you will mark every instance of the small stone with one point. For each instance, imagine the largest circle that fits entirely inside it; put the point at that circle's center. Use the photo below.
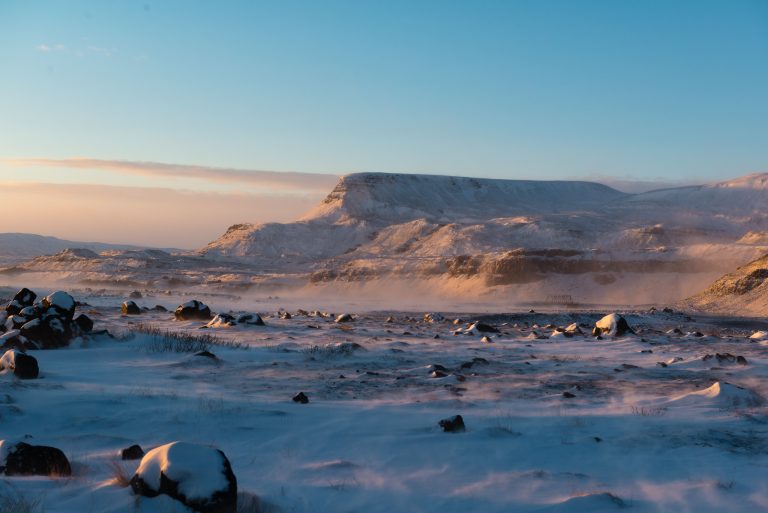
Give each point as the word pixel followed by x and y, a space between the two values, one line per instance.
pixel 453 424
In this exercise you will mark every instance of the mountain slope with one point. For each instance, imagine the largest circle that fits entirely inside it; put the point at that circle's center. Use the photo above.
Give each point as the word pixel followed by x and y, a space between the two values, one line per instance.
pixel 743 292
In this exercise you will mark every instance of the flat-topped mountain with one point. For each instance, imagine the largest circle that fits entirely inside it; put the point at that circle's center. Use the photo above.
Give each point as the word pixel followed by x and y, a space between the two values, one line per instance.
pixel 470 237
pixel 379 197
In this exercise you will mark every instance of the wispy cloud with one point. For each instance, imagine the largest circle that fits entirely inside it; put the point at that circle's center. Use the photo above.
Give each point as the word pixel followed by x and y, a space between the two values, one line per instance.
pixel 77 52
pixel 277 181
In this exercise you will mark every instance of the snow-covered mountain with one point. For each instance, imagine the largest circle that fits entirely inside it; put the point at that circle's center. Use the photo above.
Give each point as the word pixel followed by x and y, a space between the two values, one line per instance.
pixel 477 237
pixel 510 232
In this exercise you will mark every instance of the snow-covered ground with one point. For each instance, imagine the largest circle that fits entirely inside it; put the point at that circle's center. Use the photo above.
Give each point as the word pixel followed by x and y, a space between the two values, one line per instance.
pixel 553 423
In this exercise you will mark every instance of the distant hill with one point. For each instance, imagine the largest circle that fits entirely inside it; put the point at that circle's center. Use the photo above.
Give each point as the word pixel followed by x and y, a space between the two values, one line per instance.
pixel 18 247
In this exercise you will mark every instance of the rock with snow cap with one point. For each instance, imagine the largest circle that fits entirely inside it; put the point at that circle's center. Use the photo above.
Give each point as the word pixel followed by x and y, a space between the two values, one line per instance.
pixel 613 325
pixel 130 308
pixel 345 318
pixel 62 303
pixel 193 311
pixel 198 476
pixel 23 365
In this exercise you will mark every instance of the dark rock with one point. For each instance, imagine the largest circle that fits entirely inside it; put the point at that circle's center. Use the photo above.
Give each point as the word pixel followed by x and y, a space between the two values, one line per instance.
pixel 160 308
pixel 206 354
pixel 724 358
pixel 36 460
pixel 285 315
pixel 130 308
pixel 251 319
pixel 134 452
pixel 84 323
pixel 47 333
pixel 193 311
pixel 345 318
pixel 301 398
pixel 22 299
pixel 569 395
pixel 453 424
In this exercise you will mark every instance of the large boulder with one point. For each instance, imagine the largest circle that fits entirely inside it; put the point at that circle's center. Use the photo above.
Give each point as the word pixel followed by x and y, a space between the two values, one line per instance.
pixel 193 311
pixel 22 459
pixel 47 332
pixel 613 325
pixel 22 299
pixel 130 308
pixel 200 477
pixel 23 365
pixel 62 303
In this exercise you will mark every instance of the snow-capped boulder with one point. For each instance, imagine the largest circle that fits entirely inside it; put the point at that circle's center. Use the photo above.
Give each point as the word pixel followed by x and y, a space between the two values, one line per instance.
pixel 23 365
pixel 228 320
pixel 200 477
pixel 22 459
pixel 130 308
pixel 22 299
pixel 613 325
pixel 222 320
pixel 345 318
pixel 759 335
pixel 574 329
pixel 193 311
pixel 482 327
pixel 61 302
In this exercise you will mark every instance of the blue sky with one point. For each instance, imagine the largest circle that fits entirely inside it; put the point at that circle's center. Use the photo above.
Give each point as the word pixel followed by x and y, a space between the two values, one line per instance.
pixel 641 90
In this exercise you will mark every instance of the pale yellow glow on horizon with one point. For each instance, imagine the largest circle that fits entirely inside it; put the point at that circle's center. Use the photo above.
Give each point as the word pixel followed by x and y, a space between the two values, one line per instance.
pixel 158 217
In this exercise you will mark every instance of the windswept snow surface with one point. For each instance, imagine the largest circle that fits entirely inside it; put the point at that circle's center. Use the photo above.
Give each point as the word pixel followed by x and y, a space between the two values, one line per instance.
pixel 553 423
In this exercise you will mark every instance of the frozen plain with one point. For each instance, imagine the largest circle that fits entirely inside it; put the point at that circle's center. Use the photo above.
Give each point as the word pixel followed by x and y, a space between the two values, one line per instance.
pixel 688 436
